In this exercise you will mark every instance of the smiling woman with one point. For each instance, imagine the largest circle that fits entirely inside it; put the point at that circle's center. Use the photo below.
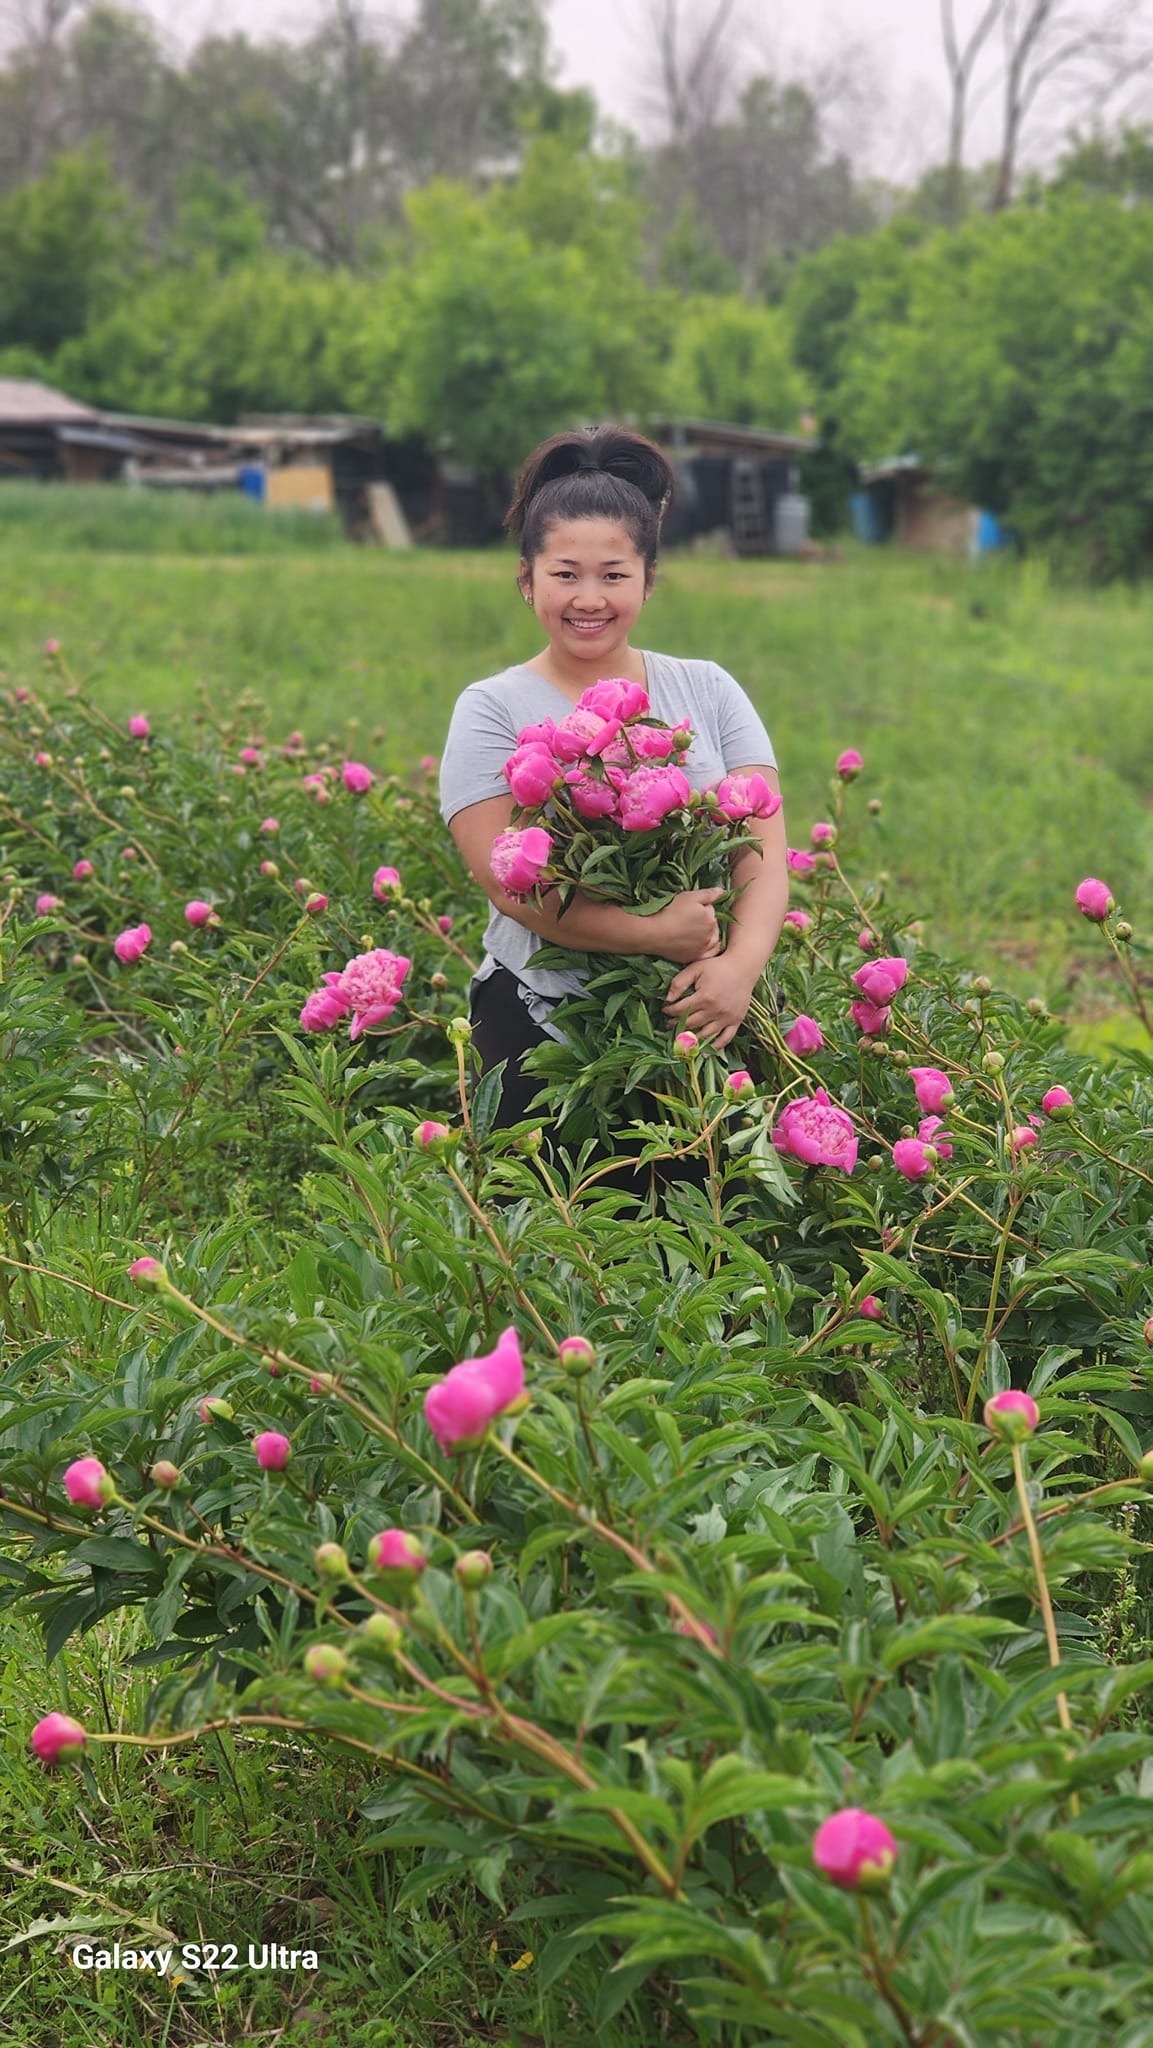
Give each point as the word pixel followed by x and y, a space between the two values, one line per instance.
pixel 587 511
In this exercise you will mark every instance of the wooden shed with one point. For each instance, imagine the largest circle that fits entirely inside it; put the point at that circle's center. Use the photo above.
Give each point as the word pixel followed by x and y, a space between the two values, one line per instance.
pixel 900 500
pixel 47 436
pixel 742 483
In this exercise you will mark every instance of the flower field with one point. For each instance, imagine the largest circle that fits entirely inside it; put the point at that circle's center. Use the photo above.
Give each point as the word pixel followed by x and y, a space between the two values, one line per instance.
pixel 722 1627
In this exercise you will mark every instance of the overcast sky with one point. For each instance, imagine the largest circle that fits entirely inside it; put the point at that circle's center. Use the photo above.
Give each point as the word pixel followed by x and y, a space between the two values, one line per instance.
pixel 892 48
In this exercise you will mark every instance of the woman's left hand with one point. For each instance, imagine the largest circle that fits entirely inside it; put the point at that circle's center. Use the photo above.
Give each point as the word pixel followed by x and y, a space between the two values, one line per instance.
pixel 711 997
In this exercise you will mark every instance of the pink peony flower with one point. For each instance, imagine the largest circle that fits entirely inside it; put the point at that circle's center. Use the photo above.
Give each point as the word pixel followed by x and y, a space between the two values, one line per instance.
pixel 269 867
pixel 273 1451
pixel 1012 1415
pixel 45 905
pixel 51 649
pixel 394 1550
pixel 142 1269
pixel 914 1158
pixel 540 735
pixel 746 796
pixel 934 1088
pixel 82 870
pixel 21 694
pixel 139 727
pixel 1021 1137
pixel 583 732
pixel 198 912
pixel 384 882
pixel 357 777
pixel 686 1042
pixel 87 1484
pixel 251 757
pixel 868 941
pixel 371 986
pixel 532 773
pixel 444 924
pixel 43 760
pixel 314 904
pixel 879 980
pixel 871 1019
pixel 823 834
pixel 849 764
pixel 800 862
pixel 652 742
pixel 131 943
pixel 740 1086
pixel 805 1036
pixel 872 1308
pixel 818 1131
pixel 57 1736
pixel 591 798
pixel 326 1006
pixel 460 1407
pixel 648 795
pixel 615 697
pixel 1058 1103
pixel 270 825
pixel 930 1132
pixel 854 1849
pixel 429 1133
pixel 129 853
pixel 799 919
pixel 214 1409
pixel 1093 899
pixel 519 859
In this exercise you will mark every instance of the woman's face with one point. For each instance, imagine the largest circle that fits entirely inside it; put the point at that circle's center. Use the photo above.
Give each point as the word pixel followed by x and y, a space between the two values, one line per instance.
pixel 587 585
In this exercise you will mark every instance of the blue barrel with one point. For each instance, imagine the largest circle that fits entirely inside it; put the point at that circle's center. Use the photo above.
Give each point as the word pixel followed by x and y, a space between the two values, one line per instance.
pixel 250 480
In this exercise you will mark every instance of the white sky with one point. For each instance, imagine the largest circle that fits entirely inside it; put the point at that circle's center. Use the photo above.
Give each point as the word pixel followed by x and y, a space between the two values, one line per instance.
pixel 891 48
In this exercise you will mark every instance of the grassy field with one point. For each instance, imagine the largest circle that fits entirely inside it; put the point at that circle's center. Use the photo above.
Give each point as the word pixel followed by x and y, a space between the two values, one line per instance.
pixel 1006 724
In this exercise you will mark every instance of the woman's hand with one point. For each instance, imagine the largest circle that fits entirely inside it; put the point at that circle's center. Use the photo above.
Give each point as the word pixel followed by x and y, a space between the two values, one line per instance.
pixel 686 929
pixel 711 996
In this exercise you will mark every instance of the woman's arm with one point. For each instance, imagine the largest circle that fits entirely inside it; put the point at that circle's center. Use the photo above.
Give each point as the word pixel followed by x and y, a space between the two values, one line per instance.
pixel 711 997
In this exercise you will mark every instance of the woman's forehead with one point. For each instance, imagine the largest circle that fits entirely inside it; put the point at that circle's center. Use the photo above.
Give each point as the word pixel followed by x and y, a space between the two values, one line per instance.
pixel 590 541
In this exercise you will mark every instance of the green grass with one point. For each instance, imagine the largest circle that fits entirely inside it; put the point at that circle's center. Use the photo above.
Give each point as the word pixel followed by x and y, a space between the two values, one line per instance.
pixel 1007 725
pixel 115 520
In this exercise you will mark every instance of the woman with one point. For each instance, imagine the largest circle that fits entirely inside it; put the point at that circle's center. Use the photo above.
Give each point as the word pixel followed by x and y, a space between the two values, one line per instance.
pixel 587 512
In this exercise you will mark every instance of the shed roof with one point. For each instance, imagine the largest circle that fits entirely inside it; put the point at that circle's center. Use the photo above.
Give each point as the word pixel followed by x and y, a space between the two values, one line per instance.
pixel 25 402
pixel 674 433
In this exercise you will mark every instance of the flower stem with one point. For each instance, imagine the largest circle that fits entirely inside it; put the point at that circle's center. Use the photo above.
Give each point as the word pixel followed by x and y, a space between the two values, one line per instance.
pixel 1042 1582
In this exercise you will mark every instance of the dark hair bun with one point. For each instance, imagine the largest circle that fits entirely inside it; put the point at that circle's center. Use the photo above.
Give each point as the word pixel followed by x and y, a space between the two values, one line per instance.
pixel 609 451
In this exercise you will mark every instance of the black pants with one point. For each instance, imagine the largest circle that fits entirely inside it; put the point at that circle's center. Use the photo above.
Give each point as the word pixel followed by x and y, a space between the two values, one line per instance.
pixel 503 1030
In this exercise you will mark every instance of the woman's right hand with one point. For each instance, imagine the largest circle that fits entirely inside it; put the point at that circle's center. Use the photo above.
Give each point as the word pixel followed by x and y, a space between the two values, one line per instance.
pixel 686 929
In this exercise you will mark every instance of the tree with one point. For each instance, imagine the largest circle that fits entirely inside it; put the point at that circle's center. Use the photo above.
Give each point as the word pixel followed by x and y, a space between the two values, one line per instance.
pixel 731 361
pixel 68 244
pixel 961 55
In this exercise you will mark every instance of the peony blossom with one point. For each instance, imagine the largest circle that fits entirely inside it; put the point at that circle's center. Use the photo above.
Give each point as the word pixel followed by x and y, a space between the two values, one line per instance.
pixel 384 882
pixel 589 797
pixel 799 860
pixel 583 732
pixel 519 859
pixel 532 773
pixel 934 1088
pixel 370 986
pixel 872 1308
pixel 871 1019
pixel 131 943
pixel 653 742
pixel 867 940
pixel 849 764
pixel 43 760
pixel 1012 1415
pixel 314 904
pixel 357 777
pixel 854 1849
pixel 326 1006
pixel 540 735
pixel 444 924
pixel 799 919
pixel 57 1736
pixel 805 1036
pixel 746 796
pixel 823 834
pixel 615 697
pixel 818 1131
pixel 879 980
pixel 82 870
pixel 1058 1103
pixel 198 912
pixel 87 1484
pixel 214 1409
pixel 930 1132
pixel 649 794
pixel 1093 899
pixel 686 1043
pixel 429 1133
pixel 740 1086
pixel 1021 1137
pixel 460 1407
pixel 914 1158
pixel 45 905
pixel 272 1450
pixel 394 1550
pixel 139 727
pixel 144 1270
pixel 270 825
pixel 252 757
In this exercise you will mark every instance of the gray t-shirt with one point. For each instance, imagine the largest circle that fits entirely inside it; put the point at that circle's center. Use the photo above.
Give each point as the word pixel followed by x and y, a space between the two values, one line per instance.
pixel 488 715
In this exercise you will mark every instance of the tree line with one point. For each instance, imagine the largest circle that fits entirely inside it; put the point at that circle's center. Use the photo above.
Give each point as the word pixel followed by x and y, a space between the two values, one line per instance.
pixel 422 227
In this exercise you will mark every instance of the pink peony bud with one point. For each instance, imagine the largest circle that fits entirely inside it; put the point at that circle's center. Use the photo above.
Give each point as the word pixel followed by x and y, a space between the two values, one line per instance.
pixel 428 763
pixel 818 1131
pixel 472 1569
pixel 147 1272
pixel 746 796
pixel 87 1484
pixel 43 760
pixel 1012 1415
pixel 273 1451
pixel 129 853
pixel 879 980
pixel 799 919
pixel 45 905
pixel 444 925
pixel 384 882
pixel 1147 1333
pixel 139 727
pixel 213 1409
pixel 198 912
pixel 21 694
pixel 686 1043
pixel 576 1356
pixel 251 757
pixel 82 870
pixel 326 1665
pixel 799 861
pixel 930 1132
pixel 315 903
pixel 1058 1104
pixel 429 1133
pixel 269 868
pixel 357 777
pixel 57 1737
pixel 131 943
pixel 849 764
pixel 805 1036
pixel 394 1550
pixel 52 649
pixel 1021 1137
pixel 823 834
pixel 913 1158
pixel 460 1407
pixel 165 1473
pixel 934 1088
pixel 871 1307
pixel 867 940
pixel 1093 899
pixel 270 825
pixel 872 1019
pixel 532 773
pixel 740 1086
pixel 854 1849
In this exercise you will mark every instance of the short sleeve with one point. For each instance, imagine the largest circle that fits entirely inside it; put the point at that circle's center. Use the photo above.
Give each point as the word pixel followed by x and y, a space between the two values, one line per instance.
pixel 481 736
pixel 744 741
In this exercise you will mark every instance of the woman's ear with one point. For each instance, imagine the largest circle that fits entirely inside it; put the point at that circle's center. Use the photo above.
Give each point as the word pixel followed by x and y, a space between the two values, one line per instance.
pixel 524 580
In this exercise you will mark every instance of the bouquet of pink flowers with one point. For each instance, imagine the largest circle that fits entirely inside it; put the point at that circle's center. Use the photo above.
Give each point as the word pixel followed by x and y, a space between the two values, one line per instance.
pixel 603 805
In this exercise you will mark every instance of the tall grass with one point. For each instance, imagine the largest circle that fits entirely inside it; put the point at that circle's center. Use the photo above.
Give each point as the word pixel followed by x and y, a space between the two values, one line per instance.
pixel 111 518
